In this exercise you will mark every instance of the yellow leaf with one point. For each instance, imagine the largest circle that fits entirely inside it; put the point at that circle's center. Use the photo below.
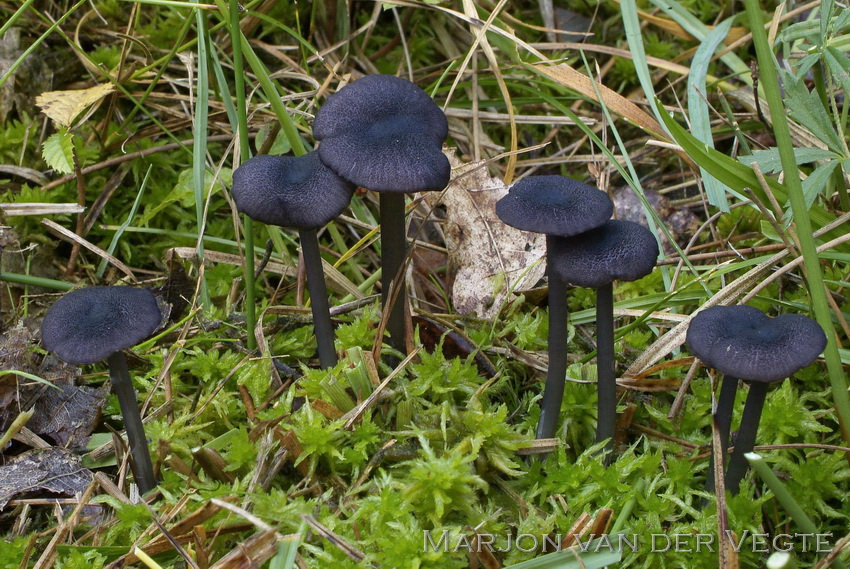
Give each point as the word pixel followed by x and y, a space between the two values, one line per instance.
pixel 64 106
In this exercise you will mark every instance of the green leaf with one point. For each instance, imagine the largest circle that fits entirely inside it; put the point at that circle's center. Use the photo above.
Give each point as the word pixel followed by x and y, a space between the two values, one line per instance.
pixel 817 181
pixel 769 162
pixel 768 231
pixel 806 108
pixel 58 151
pixel 839 66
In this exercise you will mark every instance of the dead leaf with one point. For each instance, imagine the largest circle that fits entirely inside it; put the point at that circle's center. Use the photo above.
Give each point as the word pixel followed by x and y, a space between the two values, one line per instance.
pixel 64 106
pixel 67 415
pixel 489 257
pixel 567 76
pixel 53 470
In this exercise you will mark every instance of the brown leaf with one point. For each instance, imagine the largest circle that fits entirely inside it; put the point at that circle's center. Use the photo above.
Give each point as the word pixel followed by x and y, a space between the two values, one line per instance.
pixel 37 472
pixel 67 415
pixel 489 258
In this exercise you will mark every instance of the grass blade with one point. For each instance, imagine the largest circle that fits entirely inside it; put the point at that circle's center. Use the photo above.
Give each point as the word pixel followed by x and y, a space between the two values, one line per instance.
pixel 199 148
pixel 800 216
pixel 698 109
pixel 700 31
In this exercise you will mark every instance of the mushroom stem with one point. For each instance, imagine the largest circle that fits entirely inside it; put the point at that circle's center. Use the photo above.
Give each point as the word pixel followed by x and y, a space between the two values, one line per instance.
pixel 393 251
pixel 322 326
pixel 723 420
pixel 746 439
pixel 553 392
pixel 138 443
pixel 605 366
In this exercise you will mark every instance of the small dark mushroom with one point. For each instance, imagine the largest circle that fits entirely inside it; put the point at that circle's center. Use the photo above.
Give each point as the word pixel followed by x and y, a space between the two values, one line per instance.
pixel 616 250
pixel 92 324
pixel 555 206
pixel 299 192
pixel 744 343
pixel 386 134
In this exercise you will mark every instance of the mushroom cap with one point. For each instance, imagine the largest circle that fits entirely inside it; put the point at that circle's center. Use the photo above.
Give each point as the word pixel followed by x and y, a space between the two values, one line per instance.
pixel 384 133
pixel 744 342
pixel 290 191
pixel 554 205
pixel 616 250
pixel 88 325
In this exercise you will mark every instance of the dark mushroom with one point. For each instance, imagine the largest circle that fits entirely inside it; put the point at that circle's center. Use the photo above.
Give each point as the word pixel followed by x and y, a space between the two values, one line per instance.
pixel 744 343
pixel 616 250
pixel 705 329
pixel 92 324
pixel 386 134
pixel 555 206
pixel 299 192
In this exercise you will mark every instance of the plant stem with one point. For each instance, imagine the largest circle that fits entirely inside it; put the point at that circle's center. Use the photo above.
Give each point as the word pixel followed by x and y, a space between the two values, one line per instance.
pixel 770 83
pixel 393 252
pixel 553 392
pixel 723 420
pixel 250 300
pixel 199 149
pixel 784 497
pixel 318 297
pixel 244 154
pixel 605 366
pixel 136 440
pixel 746 439
pixel 35 281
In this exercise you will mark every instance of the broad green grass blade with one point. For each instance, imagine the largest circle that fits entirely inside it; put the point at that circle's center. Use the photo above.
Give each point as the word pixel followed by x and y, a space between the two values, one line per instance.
pixel 698 108
pixel 800 216
pixel 199 149
pixel 700 31
pixel 286 551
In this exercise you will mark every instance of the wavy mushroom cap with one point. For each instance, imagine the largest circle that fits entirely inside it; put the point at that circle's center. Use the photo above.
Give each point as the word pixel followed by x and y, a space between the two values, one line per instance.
pixel 554 205
pixel 384 133
pixel 88 325
pixel 290 191
pixel 743 342
pixel 617 250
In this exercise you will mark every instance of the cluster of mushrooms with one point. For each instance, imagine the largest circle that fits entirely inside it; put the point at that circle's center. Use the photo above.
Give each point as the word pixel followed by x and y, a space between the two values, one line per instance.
pixel 742 342
pixel 382 133
pixel 385 134
pixel 586 248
